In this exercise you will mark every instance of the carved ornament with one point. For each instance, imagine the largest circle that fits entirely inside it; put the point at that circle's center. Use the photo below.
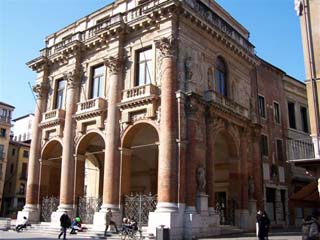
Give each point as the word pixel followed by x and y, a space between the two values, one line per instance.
pixel 72 79
pixel 167 46
pixel 113 63
pixel 40 89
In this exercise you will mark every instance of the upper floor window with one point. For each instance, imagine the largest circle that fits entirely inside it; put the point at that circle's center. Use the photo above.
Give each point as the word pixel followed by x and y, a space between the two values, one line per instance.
pixel 292 116
pixel 264 145
pixel 97 82
pixel 304 119
pixel 144 67
pixel 25 154
pixel 276 112
pixel 279 150
pixel 60 94
pixel 24 171
pixel 221 76
pixel 3 132
pixel 13 152
pixel 1 152
pixel 5 115
pixel 262 106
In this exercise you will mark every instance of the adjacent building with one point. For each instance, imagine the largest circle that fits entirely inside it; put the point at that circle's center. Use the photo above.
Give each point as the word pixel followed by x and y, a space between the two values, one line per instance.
pixel 5 127
pixel 22 128
pixel 16 178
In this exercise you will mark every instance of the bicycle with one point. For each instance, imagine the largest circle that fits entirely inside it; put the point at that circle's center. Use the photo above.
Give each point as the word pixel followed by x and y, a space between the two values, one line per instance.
pixel 135 234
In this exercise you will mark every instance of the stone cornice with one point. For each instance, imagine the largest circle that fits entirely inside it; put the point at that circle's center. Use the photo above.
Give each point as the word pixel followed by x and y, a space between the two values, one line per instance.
pixel 38 64
pixel 137 102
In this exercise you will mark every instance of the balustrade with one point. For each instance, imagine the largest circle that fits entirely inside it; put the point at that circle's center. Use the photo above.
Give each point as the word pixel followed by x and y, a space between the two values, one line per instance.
pixel 53 115
pixel 300 149
pixel 91 104
pixel 213 96
pixel 138 92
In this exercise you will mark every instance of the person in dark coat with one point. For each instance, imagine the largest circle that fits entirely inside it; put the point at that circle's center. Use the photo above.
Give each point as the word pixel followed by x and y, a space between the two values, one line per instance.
pixel 65 223
pixel 261 226
pixel 266 221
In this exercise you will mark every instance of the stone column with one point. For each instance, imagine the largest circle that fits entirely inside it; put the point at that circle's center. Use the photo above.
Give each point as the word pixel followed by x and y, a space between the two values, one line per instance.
pixel 31 209
pixel 168 164
pixel 68 160
pixel 112 137
pixel 111 176
pixel 210 164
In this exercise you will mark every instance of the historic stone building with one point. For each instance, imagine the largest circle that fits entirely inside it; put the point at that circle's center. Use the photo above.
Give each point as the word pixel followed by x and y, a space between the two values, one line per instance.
pixel 156 97
pixel 5 126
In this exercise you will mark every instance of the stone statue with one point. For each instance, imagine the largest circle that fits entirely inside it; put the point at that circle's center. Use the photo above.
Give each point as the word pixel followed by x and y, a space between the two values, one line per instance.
pixel 188 68
pixel 201 179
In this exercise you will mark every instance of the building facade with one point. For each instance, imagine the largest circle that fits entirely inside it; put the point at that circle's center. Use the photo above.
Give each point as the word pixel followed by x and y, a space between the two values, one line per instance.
pixel 14 192
pixel 22 128
pixel 131 100
pixel 5 126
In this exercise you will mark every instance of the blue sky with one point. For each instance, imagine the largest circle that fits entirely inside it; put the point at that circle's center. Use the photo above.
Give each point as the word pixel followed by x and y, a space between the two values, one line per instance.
pixel 273 25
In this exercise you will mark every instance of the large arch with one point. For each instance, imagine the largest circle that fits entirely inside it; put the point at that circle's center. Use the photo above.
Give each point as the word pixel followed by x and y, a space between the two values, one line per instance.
pixel 226 173
pixel 50 173
pixel 89 165
pixel 139 169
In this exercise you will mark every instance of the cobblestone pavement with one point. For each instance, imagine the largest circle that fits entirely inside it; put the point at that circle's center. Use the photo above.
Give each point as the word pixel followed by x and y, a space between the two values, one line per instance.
pixel 6 235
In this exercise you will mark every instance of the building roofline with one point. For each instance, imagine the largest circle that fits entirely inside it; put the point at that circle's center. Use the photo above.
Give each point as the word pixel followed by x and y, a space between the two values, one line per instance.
pixel 24 116
pixel 19 143
pixel 7 105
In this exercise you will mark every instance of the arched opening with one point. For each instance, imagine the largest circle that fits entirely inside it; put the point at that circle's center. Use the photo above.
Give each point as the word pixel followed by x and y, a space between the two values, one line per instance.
pixel 225 177
pixel 139 171
pixel 89 166
pixel 51 169
pixel 140 160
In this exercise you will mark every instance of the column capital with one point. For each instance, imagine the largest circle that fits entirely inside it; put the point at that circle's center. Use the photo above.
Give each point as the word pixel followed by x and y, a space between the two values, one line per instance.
pixel 72 78
pixel 113 63
pixel 167 46
pixel 41 89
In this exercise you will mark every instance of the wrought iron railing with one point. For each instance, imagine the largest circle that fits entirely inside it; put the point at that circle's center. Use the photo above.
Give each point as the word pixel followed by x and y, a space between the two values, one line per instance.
pixel 138 207
pixel 48 206
pixel 86 207
pixel 300 149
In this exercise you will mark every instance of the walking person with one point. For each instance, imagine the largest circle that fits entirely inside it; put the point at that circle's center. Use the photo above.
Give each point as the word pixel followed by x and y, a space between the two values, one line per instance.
pixel 65 222
pixel 260 226
pixel 109 222
pixel 266 221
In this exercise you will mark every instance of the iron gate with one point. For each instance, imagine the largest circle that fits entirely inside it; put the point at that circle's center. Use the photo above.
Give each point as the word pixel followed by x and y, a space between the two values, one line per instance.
pixel 138 207
pixel 48 206
pixel 86 207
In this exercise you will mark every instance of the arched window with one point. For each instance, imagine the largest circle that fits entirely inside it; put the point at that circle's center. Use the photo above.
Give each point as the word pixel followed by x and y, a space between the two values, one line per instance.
pixel 221 76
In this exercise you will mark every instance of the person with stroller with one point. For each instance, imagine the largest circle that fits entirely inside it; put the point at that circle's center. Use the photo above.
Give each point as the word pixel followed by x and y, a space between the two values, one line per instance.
pixel 76 225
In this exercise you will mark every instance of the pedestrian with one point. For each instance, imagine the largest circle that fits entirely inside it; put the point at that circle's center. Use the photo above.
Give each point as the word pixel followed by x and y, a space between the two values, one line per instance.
pixel 109 222
pixel 266 221
pixel 260 226
pixel 65 222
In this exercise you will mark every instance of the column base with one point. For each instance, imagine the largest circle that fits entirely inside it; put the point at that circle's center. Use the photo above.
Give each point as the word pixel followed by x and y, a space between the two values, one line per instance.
pixel 168 215
pixel 55 216
pixel 201 225
pixel 99 218
pixel 167 207
pixel 31 211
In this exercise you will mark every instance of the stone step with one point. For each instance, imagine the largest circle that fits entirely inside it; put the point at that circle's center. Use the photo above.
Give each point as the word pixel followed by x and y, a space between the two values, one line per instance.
pixel 230 229
pixel 5 224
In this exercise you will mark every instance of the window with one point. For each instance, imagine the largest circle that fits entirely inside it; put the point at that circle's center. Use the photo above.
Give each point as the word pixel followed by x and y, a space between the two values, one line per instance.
pixel 97 84
pixel 279 150
pixel 264 145
pixel 292 117
pixel 144 67
pixel 276 112
pixel 1 152
pixel 60 94
pixel 11 167
pixel 24 171
pixel 262 106
pixel 3 132
pixel 22 188
pixel 304 119
pixel 25 154
pixel 13 152
pixel 5 115
pixel 221 77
